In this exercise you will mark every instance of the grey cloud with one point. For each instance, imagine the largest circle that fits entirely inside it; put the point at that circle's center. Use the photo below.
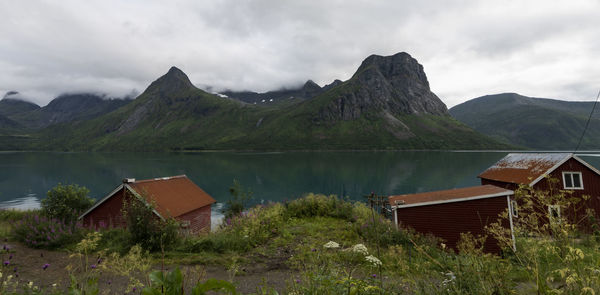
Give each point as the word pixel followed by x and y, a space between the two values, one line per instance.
pixel 468 47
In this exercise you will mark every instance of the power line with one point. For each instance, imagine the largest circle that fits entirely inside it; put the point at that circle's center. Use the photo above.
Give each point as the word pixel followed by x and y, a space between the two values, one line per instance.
pixel 587 123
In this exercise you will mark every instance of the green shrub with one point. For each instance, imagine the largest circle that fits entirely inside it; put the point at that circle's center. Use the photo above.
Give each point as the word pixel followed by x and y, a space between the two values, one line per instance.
pixel 238 201
pixel 319 205
pixel 221 242
pixel 12 215
pixel 115 240
pixel 39 231
pixel 66 202
pixel 147 229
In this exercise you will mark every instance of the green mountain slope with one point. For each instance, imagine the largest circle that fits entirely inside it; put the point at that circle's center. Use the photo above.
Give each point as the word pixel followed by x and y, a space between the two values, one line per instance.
pixel 387 104
pixel 10 107
pixel 531 122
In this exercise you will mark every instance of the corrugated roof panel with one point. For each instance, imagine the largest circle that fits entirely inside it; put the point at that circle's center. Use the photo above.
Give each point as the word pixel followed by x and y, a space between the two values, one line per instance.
pixel 173 196
pixel 481 191
pixel 524 168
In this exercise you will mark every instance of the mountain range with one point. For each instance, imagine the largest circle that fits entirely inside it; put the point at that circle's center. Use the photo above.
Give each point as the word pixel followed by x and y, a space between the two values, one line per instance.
pixel 534 123
pixel 387 104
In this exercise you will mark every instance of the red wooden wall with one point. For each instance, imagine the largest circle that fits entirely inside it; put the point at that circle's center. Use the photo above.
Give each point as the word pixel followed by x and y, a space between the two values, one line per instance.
pixel 199 220
pixel 107 214
pixel 448 220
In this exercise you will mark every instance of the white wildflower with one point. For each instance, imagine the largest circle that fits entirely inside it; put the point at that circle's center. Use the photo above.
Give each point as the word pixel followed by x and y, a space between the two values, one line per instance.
pixel 443 246
pixel 30 285
pixel 360 248
pixel 331 245
pixel 450 279
pixel 0 274
pixel 373 260
pixel 54 285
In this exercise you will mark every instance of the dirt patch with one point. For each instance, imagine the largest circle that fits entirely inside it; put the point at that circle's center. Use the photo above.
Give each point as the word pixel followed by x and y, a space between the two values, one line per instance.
pixel 27 265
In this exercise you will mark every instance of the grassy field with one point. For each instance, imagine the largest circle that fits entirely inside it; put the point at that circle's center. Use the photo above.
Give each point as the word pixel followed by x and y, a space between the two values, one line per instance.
pixel 313 245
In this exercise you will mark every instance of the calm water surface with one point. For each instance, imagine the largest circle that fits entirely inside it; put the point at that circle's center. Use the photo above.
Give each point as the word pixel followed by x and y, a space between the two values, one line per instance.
pixel 25 177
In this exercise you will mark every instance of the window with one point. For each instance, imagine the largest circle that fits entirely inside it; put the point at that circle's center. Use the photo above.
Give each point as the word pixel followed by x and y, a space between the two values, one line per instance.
pixel 572 180
pixel 514 209
pixel 554 213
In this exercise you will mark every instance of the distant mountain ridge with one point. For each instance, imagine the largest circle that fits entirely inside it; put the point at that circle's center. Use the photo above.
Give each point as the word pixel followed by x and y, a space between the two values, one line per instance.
pixel 309 90
pixel 64 108
pixel 537 123
pixel 387 104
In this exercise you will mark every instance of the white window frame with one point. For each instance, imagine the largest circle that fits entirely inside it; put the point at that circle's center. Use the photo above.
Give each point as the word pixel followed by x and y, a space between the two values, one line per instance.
pixel 570 174
pixel 555 208
pixel 514 208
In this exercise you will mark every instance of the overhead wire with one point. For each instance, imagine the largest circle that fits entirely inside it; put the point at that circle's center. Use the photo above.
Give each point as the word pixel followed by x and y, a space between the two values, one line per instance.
pixel 587 124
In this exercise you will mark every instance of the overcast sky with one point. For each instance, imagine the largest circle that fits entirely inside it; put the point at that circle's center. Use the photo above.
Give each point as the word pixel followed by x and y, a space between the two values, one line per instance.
pixel 468 48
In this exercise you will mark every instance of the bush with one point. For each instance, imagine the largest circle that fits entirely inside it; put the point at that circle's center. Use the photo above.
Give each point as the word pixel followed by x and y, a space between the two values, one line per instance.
pixel 239 199
pixel 242 232
pixel 218 243
pixel 66 202
pixel 319 205
pixel 38 231
pixel 147 229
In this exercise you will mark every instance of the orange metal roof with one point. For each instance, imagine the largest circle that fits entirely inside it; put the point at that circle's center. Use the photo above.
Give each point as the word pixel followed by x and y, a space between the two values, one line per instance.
pixel 173 196
pixel 525 168
pixel 458 194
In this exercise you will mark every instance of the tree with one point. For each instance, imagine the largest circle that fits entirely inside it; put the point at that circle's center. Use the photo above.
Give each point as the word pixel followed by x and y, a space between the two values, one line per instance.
pixel 238 201
pixel 66 202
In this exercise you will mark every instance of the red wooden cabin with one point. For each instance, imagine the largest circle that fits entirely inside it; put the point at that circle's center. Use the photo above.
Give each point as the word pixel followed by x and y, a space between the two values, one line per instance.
pixel 531 169
pixel 177 197
pixel 448 213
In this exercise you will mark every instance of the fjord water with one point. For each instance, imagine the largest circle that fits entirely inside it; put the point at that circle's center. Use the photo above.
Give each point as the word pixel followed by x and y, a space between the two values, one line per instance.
pixel 25 177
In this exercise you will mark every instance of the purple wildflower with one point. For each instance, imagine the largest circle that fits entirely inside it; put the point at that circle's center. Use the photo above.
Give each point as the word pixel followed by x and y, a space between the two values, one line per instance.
pixel 45 266
pixel 134 289
pixel 297 281
pixel 6 263
pixel 99 261
pixel 10 257
pixel 93 266
pixel 374 275
pixel 15 269
pixel 109 282
pixel 314 250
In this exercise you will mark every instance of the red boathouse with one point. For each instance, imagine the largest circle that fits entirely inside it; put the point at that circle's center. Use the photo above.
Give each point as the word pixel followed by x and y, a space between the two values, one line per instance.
pixel 532 169
pixel 177 197
pixel 448 213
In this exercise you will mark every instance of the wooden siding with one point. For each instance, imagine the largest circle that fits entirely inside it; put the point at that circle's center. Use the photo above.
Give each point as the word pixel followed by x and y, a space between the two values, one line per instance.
pixel 591 187
pixel 107 214
pixel 199 220
pixel 448 220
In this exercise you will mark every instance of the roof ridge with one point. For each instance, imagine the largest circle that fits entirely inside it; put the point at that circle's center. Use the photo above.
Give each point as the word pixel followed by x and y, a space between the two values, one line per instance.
pixel 160 178
pixel 475 187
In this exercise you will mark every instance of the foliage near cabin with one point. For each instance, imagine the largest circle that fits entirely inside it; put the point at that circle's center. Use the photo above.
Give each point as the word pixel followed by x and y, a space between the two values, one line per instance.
pixel 238 201
pixel 66 202
pixel 146 228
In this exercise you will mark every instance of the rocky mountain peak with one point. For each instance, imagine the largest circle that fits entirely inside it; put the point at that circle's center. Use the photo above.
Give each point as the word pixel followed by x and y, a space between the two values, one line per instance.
pixel 397 67
pixel 173 81
pixel 310 89
pixel 390 85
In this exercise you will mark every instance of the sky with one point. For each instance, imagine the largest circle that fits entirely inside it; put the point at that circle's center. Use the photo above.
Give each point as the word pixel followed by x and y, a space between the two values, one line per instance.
pixel 468 48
